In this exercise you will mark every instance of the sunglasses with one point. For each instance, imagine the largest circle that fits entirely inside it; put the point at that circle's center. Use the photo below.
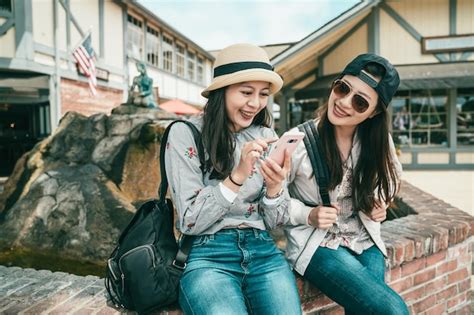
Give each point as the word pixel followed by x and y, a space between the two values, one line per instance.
pixel 342 89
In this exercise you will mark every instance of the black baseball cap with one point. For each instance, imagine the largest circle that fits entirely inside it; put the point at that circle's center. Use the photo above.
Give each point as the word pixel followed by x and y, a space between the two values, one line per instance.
pixel 388 84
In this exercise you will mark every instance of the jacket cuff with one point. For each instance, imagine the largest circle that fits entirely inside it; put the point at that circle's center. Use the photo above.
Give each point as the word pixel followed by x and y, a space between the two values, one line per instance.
pixel 220 198
pixel 271 202
pixel 227 193
pixel 299 212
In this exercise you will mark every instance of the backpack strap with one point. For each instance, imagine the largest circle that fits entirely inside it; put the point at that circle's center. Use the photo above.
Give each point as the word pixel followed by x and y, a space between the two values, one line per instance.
pixel 313 146
pixel 164 139
pixel 187 241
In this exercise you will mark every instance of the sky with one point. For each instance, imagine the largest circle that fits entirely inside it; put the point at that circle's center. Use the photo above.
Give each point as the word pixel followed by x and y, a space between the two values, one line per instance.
pixel 215 24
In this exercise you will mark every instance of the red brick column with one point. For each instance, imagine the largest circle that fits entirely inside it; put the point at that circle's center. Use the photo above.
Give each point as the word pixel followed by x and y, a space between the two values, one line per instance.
pixel 76 96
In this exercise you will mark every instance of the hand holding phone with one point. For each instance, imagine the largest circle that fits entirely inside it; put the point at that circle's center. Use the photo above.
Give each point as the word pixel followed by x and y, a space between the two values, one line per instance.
pixel 289 141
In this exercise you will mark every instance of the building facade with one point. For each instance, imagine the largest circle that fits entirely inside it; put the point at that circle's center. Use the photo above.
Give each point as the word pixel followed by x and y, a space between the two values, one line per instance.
pixel 431 43
pixel 40 81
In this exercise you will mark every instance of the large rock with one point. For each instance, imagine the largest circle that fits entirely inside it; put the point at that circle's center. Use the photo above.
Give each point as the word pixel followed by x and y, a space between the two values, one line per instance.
pixel 77 189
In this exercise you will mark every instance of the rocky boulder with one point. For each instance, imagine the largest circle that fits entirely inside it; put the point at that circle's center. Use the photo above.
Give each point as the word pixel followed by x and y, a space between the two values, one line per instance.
pixel 77 189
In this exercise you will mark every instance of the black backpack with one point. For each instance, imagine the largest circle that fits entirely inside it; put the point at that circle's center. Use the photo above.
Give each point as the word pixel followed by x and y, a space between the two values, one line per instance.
pixel 143 271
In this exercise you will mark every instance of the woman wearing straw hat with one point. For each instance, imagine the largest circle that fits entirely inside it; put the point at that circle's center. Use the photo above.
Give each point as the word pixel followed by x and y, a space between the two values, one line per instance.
pixel 234 266
pixel 338 246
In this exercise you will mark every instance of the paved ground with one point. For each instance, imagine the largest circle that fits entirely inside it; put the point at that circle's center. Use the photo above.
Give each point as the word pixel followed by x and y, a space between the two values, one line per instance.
pixel 453 187
pixel 28 291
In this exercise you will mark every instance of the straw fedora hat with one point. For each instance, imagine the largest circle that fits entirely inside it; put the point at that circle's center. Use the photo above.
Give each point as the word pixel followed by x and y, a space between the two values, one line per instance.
pixel 243 63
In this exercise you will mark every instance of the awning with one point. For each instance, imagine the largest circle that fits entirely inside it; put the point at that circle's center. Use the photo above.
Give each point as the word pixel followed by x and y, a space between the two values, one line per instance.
pixel 436 76
pixel 179 107
pixel 21 87
pixel 412 77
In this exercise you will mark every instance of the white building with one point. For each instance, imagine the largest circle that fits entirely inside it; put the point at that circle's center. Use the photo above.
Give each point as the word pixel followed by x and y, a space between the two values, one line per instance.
pixel 40 81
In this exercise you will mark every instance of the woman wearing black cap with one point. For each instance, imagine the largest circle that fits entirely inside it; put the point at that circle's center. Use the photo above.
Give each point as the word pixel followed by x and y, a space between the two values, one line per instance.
pixel 234 266
pixel 338 248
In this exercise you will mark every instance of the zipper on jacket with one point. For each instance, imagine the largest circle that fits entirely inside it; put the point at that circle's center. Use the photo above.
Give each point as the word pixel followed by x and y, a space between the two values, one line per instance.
pixel 304 247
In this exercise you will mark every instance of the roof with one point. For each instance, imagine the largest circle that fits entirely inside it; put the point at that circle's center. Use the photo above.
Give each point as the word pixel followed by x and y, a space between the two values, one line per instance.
pixel 359 8
pixel 275 49
pixel 271 49
pixel 436 76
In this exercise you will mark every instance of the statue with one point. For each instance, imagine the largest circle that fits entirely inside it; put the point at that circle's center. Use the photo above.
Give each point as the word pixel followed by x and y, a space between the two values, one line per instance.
pixel 144 97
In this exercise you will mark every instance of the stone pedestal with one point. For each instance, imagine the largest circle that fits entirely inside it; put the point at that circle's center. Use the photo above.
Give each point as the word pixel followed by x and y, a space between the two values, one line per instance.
pixel 77 189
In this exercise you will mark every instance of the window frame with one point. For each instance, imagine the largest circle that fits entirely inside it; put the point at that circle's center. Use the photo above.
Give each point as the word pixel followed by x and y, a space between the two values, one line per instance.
pixel 180 60
pixel 191 65
pixel 422 121
pixel 200 69
pixel 468 131
pixel 7 12
pixel 153 46
pixel 167 58
pixel 135 36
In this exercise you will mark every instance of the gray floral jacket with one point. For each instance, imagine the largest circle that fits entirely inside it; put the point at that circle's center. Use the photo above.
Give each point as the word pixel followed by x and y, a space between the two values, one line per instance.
pixel 201 205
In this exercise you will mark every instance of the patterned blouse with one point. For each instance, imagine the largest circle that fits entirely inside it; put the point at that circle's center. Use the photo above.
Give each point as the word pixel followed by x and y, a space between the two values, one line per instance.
pixel 348 231
pixel 202 206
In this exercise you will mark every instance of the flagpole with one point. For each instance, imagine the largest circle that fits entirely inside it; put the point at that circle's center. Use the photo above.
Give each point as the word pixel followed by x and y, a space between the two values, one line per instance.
pixel 82 40
pixel 56 109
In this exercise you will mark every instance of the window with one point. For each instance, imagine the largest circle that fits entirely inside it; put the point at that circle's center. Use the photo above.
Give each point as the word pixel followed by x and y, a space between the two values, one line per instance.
pixel 167 53
pixel 420 118
pixel 465 117
pixel 152 46
pixel 180 60
pixel 135 38
pixel 191 66
pixel 6 5
pixel 200 70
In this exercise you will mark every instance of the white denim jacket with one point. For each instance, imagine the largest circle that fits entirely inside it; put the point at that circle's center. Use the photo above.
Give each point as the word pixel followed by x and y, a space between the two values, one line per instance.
pixel 304 239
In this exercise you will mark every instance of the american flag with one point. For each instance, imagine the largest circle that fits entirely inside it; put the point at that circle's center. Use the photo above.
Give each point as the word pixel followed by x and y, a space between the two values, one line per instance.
pixel 85 57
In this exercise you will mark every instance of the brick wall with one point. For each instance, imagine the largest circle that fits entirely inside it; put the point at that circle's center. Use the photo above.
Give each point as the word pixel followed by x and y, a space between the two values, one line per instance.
pixel 429 263
pixel 429 259
pixel 76 96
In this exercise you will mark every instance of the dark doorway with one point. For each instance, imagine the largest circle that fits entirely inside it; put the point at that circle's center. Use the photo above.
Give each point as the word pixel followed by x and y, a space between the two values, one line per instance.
pixel 21 127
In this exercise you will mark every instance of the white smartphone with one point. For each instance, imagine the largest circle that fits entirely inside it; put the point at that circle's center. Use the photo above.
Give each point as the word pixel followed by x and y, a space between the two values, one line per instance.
pixel 289 141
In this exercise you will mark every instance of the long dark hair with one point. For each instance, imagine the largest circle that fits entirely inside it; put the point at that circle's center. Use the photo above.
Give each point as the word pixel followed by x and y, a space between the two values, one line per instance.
pixel 374 175
pixel 217 136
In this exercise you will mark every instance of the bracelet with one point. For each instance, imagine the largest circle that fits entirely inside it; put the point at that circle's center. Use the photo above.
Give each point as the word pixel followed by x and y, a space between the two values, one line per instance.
pixel 234 182
pixel 276 196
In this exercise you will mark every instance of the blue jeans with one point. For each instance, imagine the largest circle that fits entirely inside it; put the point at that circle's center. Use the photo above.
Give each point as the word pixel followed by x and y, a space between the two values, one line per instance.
pixel 355 282
pixel 237 271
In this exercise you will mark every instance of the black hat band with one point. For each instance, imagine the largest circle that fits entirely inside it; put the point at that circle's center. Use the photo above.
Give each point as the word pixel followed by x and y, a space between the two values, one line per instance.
pixel 239 66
